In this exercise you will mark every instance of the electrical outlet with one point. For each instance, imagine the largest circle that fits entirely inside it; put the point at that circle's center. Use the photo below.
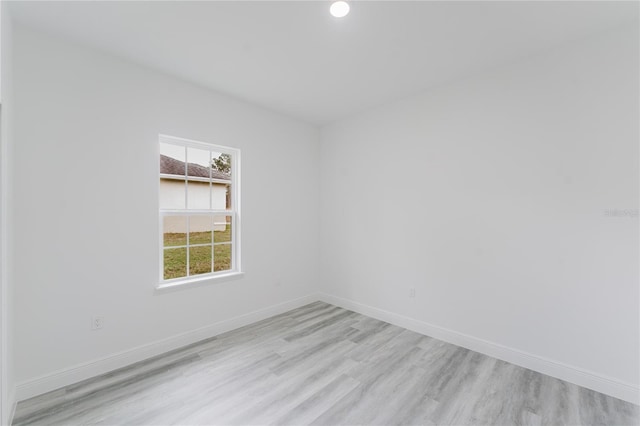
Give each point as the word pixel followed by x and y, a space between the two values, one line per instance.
pixel 97 323
pixel 412 292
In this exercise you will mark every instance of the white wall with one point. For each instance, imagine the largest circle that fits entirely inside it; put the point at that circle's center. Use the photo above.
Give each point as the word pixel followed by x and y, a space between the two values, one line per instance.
pixel 6 235
pixel 86 200
pixel 490 197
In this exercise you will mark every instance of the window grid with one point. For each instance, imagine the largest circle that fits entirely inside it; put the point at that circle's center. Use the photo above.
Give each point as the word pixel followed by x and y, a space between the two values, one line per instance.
pixel 212 244
pixel 230 215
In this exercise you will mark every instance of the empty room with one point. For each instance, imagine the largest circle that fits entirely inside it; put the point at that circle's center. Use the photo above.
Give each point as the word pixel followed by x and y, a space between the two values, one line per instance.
pixel 319 212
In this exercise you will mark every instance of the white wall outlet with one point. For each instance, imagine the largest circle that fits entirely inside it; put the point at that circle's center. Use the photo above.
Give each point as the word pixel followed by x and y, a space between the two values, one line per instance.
pixel 97 323
pixel 412 292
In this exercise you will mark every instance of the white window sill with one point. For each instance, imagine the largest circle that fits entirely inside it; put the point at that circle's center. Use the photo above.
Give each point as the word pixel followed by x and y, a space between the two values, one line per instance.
pixel 197 282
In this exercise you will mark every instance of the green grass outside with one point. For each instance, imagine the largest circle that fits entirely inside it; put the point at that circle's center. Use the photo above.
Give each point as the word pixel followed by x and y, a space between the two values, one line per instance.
pixel 180 239
pixel 175 259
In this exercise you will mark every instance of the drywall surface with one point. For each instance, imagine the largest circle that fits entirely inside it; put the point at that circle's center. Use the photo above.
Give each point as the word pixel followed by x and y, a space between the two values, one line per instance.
pixel 7 393
pixel 86 204
pixel 509 202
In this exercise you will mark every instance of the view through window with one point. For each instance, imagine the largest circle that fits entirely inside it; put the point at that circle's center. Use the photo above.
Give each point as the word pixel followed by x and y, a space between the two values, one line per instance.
pixel 198 214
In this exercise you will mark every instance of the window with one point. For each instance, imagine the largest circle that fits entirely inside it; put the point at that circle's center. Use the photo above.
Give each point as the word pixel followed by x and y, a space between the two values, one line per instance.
pixel 199 211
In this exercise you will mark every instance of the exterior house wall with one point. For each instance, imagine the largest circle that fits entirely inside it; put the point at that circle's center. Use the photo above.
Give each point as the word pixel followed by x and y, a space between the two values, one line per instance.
pixel 172 194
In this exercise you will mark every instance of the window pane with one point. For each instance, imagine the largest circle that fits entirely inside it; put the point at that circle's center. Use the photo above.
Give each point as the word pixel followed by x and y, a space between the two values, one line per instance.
pixel 220 196
pixel 172 176
pixel 197 194
pixel 200 229
pixel 222 229
pixel 199 162
pixel 174 230
pixel 172 159
pixel 221 257
pixel 220 166
pixel 175 263
pixel 172 193
pixel 199 260
pixel 228 197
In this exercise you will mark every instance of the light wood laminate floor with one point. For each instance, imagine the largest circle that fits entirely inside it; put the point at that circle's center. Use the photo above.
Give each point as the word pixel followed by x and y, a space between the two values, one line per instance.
pixel 323 365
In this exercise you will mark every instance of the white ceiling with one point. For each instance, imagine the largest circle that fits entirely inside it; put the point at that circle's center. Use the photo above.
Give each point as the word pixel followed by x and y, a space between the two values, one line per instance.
pixel 295 58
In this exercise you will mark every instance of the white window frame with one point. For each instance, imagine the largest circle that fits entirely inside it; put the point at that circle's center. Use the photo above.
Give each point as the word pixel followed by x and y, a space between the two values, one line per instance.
pixel 234 212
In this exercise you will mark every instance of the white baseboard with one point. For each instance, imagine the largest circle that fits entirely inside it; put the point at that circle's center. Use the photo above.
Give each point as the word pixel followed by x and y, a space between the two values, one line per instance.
pixel 75 374
pixel 580 377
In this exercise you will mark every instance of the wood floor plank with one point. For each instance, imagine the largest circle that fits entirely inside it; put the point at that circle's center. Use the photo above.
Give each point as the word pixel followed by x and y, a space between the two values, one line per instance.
pixel 323 365
pixel 320 402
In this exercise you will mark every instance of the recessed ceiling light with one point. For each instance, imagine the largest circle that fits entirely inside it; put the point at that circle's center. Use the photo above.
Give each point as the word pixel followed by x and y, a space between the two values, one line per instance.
pixel 339 9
